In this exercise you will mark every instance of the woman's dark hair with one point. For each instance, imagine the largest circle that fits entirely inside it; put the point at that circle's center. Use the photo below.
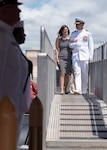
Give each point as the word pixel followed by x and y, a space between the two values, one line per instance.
pixel 61 30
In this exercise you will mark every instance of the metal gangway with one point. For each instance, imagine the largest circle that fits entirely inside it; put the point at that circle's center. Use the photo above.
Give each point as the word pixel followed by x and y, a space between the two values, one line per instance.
pixel 73 122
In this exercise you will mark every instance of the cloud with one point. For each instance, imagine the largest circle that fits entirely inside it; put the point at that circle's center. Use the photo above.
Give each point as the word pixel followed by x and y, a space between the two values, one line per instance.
pixel 53 13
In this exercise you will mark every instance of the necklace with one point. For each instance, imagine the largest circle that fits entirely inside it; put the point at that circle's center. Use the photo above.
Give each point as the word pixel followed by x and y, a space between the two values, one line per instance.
pixel 64 38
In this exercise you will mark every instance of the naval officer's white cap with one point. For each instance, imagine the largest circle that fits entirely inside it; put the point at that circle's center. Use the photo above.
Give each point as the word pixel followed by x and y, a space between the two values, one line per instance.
pixel 79 21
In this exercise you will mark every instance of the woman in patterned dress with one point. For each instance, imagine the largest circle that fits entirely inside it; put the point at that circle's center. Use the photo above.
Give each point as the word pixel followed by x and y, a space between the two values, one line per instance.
pixel 63 58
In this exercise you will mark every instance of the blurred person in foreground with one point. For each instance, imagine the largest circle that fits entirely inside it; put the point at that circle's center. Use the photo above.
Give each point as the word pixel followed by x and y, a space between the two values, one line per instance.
pixel 20 37
pixel 14 72
pixel 81 43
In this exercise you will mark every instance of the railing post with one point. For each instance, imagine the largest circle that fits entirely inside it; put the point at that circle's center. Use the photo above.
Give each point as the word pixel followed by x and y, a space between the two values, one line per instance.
pixel 42 39
pixel 8 125
pixel 35 125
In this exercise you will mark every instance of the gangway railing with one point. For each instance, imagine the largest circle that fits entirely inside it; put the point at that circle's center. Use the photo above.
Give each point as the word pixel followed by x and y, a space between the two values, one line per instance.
pixel 98 72
pixel 46 77
pixel 100 52
pixel 45 44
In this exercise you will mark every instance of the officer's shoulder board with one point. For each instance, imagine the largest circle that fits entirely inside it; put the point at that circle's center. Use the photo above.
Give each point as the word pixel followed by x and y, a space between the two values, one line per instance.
pixel 88 32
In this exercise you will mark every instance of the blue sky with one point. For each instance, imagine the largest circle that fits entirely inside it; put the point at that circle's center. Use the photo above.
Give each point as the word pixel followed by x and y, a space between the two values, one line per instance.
pixel 52 14
pixel 35 4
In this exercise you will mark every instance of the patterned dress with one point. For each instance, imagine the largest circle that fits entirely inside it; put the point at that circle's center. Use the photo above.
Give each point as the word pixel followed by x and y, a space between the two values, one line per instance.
pixel 64 56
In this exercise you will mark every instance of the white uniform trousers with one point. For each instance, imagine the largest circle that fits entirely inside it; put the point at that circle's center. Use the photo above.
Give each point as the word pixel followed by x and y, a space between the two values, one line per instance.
pixel 81 75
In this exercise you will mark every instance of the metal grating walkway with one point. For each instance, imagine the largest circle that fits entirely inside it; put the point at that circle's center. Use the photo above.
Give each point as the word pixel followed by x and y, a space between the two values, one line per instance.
pixel 76 119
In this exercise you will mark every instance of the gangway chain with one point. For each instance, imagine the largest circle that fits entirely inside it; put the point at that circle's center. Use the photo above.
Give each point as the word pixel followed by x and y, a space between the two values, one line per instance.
pixel 78 121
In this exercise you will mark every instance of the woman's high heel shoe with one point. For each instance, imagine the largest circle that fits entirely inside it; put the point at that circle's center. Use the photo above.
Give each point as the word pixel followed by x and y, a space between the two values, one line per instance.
pixel 62 93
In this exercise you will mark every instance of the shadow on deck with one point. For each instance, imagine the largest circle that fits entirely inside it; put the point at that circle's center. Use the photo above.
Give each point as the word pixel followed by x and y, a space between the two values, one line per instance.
pixel 77 121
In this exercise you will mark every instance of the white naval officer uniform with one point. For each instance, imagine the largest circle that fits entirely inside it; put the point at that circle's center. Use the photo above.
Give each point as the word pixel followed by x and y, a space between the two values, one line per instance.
pixel 81 42
pixel 13 72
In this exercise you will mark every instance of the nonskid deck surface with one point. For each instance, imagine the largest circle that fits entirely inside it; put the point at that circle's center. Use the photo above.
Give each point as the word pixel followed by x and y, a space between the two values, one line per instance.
pixel 76 119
